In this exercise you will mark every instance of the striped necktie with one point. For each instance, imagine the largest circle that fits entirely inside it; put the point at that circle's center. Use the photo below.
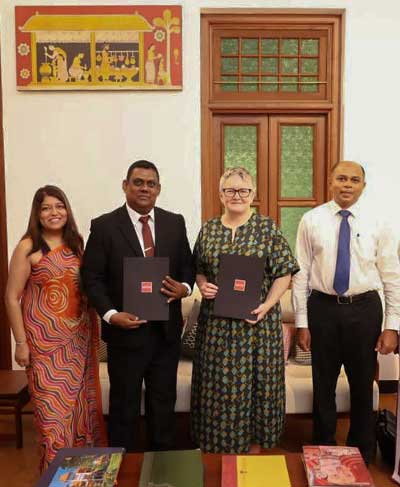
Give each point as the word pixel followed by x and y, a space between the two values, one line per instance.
pixel 147 236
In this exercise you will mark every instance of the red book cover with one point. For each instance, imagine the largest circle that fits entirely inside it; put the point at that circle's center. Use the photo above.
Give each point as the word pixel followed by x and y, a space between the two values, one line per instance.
pixel 229 471
pixel 335 466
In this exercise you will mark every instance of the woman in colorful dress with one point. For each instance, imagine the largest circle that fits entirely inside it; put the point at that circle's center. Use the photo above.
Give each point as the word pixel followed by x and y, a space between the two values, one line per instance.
pixel 238 386
pixel 56 336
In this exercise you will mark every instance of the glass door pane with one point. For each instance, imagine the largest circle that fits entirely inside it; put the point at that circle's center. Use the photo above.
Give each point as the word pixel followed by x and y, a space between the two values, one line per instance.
pixel 297 160
pixel 240 147
pixel 289 219
pixel 238 141
pixel 297 155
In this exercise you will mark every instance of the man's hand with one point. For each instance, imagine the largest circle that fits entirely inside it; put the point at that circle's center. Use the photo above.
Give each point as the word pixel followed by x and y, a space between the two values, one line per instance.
pixel 208 290
pixel 126 320
pixel 387 342
pixel 173 289
pixel 304 339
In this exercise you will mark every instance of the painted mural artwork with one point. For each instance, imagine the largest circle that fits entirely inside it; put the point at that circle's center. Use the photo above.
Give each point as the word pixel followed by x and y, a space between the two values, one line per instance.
pixel 99 47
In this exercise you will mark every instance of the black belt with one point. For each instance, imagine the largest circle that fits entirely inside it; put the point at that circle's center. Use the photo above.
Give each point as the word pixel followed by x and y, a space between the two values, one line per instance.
pixel 344 299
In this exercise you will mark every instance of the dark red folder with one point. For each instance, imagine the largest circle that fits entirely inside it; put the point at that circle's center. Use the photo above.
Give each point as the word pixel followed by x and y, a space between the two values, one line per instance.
pixel 239 286
pixel 143 278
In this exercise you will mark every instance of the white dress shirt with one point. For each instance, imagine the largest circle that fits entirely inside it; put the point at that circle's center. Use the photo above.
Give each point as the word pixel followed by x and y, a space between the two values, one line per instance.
pixel 137 225
pixel 374 263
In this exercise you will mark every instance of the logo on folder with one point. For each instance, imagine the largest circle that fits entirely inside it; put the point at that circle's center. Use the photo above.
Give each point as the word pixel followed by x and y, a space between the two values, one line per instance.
pixel 146 287
pixel 239 285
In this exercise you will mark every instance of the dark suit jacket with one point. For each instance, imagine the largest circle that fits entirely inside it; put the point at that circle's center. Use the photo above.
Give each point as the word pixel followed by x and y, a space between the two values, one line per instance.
pixel 113 237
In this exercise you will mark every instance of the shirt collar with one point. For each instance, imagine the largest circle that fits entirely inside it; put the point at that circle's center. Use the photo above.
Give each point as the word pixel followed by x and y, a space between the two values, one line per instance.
pixel 134 215
pixel 354 209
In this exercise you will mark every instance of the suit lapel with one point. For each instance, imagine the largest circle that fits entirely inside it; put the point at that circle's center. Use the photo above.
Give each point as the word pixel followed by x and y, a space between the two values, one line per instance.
pixel 160 249
pixel 128 231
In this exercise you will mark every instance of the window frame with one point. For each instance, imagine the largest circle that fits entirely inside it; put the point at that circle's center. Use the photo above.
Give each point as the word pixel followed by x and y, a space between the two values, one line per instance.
pixel 323 36
pixel 212 20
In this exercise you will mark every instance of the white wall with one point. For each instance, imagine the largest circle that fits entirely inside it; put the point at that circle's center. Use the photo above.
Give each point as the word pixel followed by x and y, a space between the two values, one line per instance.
pixel 84 141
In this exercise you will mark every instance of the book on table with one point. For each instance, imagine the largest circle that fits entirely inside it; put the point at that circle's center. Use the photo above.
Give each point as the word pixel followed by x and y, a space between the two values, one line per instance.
pixel 335 466
pixel 254 471
pixel 239 283
pixel 88 467
pixel 180 468
pixel 143 278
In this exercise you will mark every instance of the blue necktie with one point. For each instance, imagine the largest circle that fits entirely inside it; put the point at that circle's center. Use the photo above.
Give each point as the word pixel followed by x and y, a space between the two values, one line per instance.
pixel 342 272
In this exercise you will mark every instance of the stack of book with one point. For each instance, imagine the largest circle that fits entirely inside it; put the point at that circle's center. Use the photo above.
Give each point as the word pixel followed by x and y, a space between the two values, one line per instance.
pixel 78 467
pixel 335 466
pixel 254 471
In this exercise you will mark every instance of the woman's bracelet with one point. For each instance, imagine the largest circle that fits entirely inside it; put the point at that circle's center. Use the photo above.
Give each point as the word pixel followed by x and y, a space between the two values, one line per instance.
pixel 20 343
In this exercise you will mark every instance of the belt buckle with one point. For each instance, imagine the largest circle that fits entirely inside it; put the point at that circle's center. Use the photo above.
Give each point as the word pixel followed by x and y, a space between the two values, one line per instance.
pixel 346 299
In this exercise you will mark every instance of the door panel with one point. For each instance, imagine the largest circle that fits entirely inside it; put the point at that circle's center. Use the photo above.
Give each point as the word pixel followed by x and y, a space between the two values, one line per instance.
pixel 286 155
pixel 240 141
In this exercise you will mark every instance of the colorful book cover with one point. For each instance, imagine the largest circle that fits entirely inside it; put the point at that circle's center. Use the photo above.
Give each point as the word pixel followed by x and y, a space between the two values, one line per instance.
pixel 180 468
pixel 335 466
pixel 83 467
pixel 254 471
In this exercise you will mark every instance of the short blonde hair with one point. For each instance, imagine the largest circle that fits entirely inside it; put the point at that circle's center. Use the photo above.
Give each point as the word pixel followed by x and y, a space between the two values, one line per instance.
pixel 235 171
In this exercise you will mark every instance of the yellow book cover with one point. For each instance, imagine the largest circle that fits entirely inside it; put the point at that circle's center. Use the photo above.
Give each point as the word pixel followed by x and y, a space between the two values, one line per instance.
pixel 262 471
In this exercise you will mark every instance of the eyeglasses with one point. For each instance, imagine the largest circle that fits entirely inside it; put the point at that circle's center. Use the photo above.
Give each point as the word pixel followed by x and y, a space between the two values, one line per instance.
pixel 141 182
pixel 242 192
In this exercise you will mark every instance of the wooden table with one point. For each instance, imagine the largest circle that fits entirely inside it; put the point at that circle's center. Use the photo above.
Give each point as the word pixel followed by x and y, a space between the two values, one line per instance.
pixel 13 397
pixel 130 469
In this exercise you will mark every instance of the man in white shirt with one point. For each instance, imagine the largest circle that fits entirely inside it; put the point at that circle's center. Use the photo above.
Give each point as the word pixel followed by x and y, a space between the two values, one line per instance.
pixel 345 257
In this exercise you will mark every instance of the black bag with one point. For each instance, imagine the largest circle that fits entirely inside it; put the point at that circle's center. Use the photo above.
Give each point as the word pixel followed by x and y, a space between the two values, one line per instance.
pixel 386 435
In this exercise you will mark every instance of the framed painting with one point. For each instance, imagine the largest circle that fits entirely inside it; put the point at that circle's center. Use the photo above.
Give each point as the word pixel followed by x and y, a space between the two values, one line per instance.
pixel 99 47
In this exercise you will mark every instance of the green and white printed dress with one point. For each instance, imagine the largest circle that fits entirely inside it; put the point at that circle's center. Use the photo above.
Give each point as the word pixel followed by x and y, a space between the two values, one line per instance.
pixel 238 385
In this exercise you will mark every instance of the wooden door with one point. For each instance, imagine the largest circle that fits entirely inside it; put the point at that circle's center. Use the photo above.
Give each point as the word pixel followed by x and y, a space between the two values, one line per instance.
pixel 286 155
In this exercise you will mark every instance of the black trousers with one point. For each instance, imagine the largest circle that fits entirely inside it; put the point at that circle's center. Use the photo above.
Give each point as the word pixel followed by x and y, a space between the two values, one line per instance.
pixel 156 363
pixel 344 334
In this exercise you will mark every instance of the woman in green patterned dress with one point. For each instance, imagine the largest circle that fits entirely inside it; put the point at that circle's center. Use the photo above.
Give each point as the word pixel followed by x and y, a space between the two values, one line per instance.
pixel 238 386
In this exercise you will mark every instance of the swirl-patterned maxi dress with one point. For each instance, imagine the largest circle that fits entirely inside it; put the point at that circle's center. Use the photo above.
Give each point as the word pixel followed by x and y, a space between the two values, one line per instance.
pixel 238 387
pixel 63 338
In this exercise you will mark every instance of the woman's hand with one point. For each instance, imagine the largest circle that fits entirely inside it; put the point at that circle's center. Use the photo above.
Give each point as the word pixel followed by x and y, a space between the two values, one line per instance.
pixel 20 269
pixel 260 312
pixel 277 289
pixel 208 290
pixel 22 354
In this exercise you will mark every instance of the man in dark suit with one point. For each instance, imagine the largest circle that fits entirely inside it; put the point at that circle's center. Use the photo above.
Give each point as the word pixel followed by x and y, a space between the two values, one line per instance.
pixel 139 350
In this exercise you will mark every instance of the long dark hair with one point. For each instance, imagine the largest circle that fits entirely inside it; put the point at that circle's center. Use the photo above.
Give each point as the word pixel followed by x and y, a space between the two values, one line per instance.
pixel 71 236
